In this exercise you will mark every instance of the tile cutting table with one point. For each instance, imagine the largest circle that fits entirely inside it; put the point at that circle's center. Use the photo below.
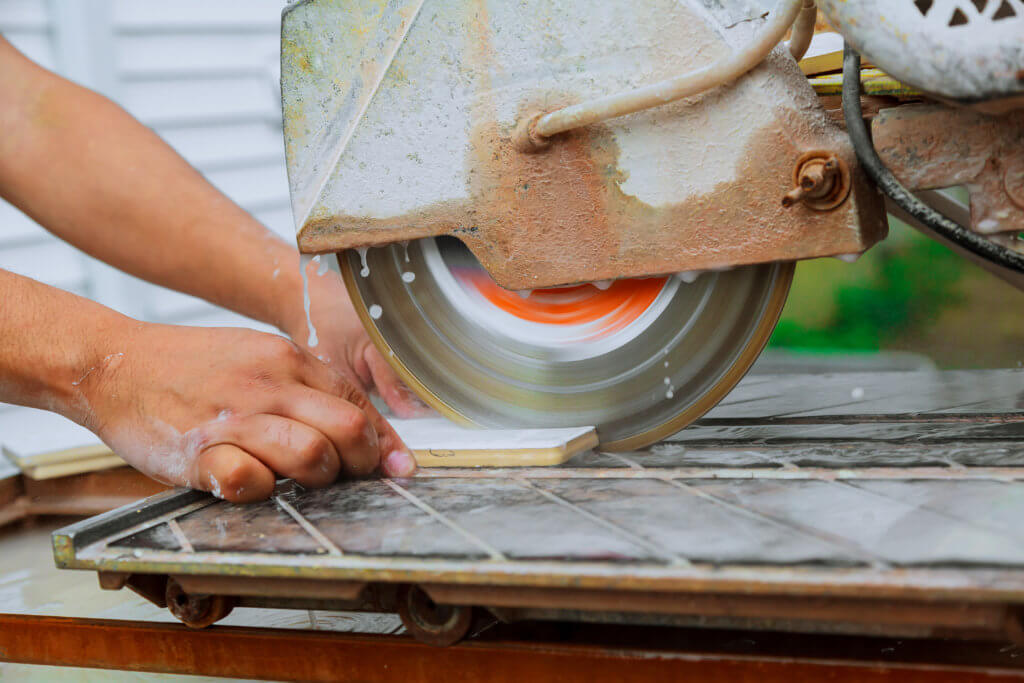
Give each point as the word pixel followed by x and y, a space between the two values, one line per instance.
pixel 843 507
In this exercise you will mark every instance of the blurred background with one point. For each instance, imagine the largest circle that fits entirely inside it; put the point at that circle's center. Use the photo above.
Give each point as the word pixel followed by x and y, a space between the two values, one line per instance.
pixel 204 75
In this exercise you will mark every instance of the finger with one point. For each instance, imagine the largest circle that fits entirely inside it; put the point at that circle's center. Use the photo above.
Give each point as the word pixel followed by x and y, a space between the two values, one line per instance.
pixel 346 425
pixel 288 447
pixel 396 458
pixel 402 401
pixel 228 472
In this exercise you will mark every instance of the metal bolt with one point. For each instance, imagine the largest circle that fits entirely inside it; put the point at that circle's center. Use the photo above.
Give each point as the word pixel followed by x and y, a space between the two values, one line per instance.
pixel 820 182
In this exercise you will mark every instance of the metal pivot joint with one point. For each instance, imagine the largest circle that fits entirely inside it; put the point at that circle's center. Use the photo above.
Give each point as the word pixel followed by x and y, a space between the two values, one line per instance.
pixel 821 180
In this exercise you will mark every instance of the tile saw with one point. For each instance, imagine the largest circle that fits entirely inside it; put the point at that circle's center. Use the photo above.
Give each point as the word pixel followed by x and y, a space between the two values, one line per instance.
pixel 552 213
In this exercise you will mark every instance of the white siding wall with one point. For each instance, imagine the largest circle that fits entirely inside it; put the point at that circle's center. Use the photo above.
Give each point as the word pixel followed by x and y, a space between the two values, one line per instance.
pixel 204 75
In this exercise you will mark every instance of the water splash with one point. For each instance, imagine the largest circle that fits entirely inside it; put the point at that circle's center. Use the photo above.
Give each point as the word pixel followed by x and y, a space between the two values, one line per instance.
pixel 408 276
pixel 304 261
pixel 376 311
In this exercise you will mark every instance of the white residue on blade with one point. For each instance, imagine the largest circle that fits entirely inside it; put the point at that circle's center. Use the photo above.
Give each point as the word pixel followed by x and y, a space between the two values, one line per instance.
pixel 362 259
pixel 376 311
pixel 408 276
pixel 304 261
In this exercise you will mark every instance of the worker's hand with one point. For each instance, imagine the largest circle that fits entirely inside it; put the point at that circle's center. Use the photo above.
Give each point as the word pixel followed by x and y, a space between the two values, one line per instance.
pixel 342 342
pixel 225 410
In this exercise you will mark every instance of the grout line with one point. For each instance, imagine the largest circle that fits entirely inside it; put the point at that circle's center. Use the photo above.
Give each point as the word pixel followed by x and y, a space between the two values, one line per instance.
pixel 823 537
pixel 816 412
pixel 935 511
pixel 959 406
pixel 317 535
pixel 942 473
pixel 490 550
pixel 784 463
pixel 179 536
pixel 741 401
pixel 632 464
pixel 157 521
pixel 612 526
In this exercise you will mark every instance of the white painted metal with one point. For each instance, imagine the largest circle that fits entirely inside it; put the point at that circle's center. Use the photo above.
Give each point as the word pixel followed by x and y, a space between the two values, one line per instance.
pixel 960 49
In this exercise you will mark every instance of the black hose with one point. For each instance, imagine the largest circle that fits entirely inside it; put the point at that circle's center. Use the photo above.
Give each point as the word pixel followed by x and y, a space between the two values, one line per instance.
pixel 887 183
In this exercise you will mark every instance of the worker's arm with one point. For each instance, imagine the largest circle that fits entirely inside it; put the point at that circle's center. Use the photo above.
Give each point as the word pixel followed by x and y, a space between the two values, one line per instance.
pixel 94 176
pixel 217 409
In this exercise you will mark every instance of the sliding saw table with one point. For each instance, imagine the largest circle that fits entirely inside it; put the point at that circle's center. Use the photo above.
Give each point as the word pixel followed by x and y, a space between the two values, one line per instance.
pixel 820 517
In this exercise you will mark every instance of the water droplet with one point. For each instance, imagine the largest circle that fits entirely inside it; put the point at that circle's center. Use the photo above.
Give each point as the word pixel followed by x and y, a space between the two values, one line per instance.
pixel 376 311
pixel 321 267
pixel 602 284
pixel 362 259
pixel 857 393
pixel 667 381
pixel 688 276
pixel 408 276
pixel 669 394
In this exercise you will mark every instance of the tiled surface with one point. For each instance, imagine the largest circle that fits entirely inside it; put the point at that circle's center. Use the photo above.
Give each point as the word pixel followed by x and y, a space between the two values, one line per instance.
pixel 914 471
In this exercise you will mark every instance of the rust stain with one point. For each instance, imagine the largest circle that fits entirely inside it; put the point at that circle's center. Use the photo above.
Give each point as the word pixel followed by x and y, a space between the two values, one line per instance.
pixel 930 146
pixel 560 216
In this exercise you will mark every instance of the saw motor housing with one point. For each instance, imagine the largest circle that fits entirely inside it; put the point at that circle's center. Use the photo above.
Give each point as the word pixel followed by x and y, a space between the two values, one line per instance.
pixel 401 123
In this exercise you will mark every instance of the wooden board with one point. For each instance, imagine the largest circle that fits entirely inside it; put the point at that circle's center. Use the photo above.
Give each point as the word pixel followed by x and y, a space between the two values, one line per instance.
pixel 436 442
pixel 44 445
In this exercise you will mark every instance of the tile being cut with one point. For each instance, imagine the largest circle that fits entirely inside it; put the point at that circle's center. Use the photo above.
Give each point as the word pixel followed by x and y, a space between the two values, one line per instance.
pixel 436 442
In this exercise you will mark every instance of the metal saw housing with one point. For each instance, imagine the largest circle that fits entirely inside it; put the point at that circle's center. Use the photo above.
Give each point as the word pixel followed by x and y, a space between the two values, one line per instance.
pixel 399 119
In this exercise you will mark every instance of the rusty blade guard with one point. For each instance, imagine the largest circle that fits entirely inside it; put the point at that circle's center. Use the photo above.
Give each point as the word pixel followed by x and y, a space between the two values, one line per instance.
pixel 399 124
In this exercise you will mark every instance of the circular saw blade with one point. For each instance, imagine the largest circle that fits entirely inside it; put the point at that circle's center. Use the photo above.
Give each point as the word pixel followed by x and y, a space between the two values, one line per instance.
pixel 638 359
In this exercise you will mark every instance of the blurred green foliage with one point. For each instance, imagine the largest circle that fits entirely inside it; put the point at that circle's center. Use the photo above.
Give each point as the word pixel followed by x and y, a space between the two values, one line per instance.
pixel 897 289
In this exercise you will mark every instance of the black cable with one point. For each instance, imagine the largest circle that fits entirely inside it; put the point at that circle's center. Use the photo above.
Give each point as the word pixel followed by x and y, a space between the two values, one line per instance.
pixel 887 183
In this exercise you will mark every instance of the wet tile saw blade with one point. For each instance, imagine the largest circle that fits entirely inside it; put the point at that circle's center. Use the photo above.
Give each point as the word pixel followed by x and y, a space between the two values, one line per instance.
pixel 436 442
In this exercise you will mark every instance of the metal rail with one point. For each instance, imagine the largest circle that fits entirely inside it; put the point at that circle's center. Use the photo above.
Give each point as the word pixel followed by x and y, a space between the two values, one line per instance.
pixel 278 654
